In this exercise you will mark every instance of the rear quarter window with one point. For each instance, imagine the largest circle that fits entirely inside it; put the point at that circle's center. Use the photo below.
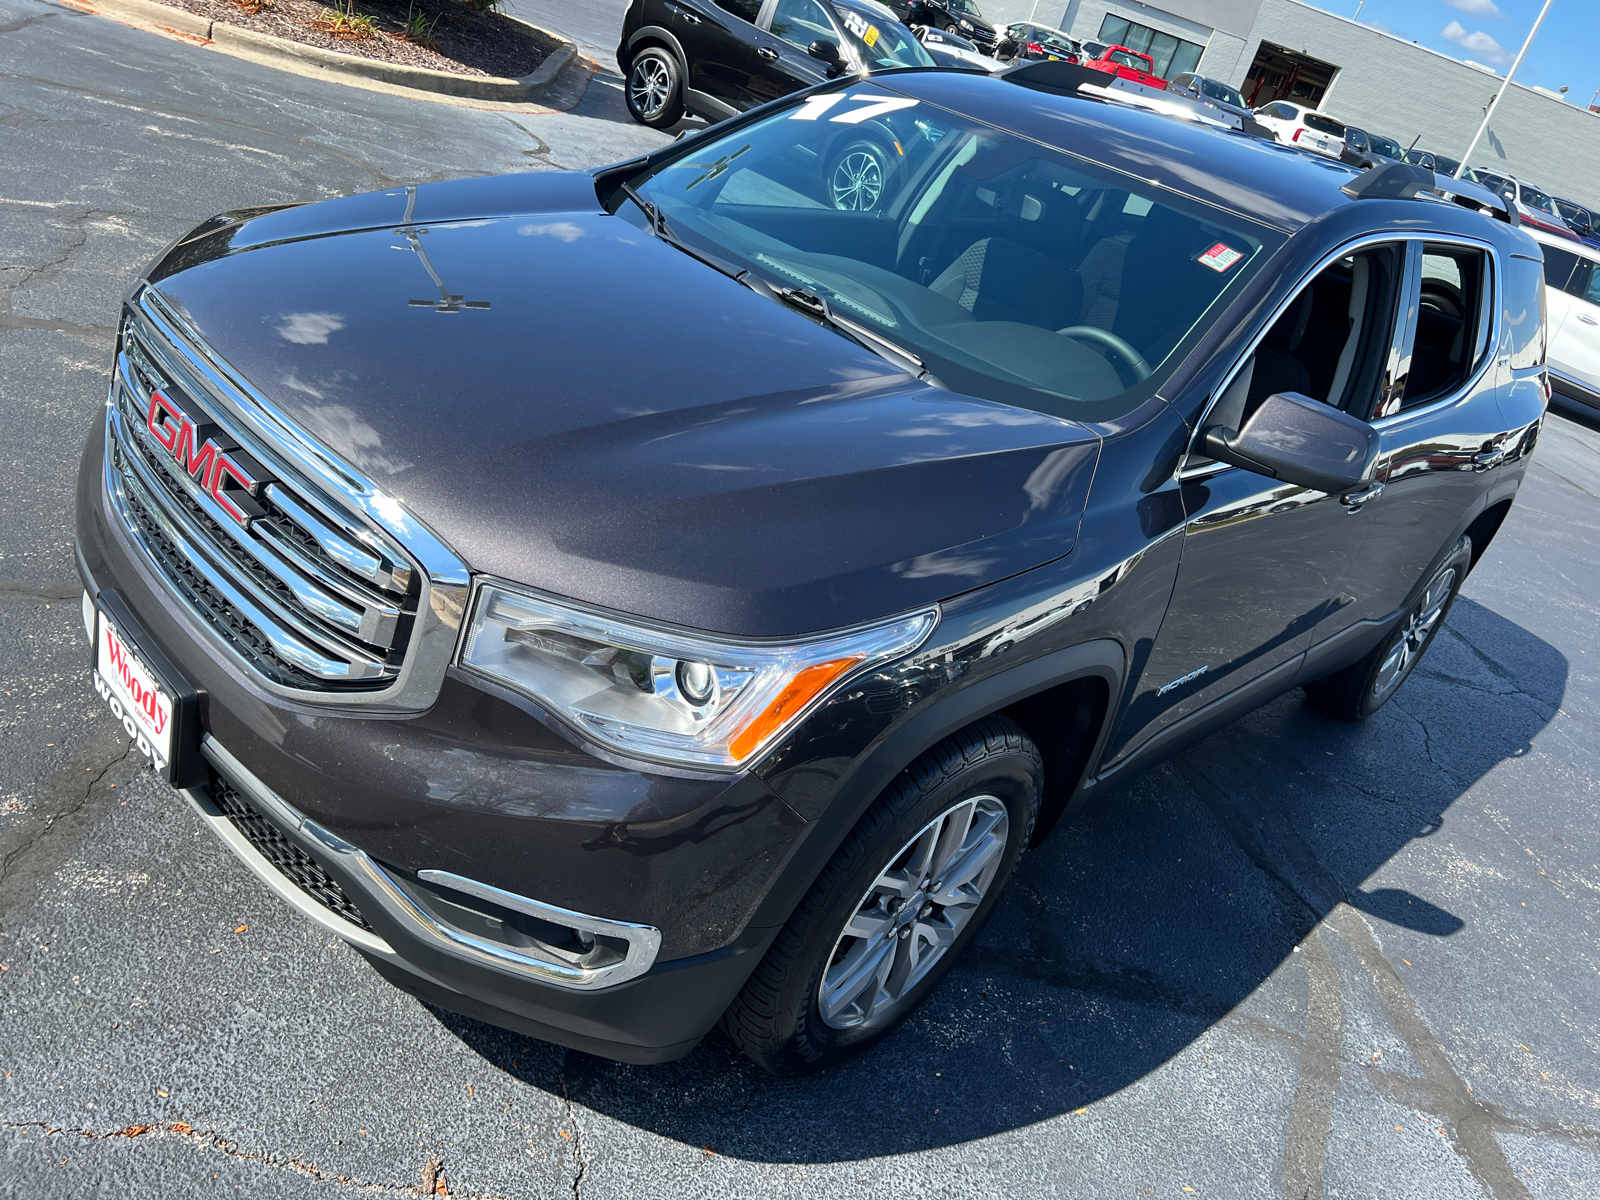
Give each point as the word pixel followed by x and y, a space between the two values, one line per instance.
pixel 1522 308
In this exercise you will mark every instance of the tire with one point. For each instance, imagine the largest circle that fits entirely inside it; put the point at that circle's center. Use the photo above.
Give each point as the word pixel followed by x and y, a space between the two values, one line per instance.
pixel 1360 690
pixel 654 88
pixel 817 998
pixel 859 176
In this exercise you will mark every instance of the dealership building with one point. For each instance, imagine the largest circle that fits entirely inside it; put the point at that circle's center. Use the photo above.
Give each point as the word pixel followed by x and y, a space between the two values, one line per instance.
pixel 1283 49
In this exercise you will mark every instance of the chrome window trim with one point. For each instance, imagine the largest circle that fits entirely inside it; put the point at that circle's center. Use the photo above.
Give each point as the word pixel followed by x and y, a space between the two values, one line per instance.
pixel 1186 473
pixel 274 438
pixel 380 888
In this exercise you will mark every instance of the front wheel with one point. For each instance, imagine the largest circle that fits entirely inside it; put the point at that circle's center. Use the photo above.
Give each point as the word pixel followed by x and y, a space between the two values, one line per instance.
pixel 655 91
pixel 859 176
pixel 1358 691
pixel 901 898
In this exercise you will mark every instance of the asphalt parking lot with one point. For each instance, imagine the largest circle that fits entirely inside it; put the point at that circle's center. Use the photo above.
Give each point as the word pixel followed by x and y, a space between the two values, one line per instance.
pixel 1304 959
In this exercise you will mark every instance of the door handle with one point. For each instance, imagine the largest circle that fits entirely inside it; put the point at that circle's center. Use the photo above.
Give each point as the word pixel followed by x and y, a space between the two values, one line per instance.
pixel 1489 459
pixel 1354 501
pixel 767 52
pixel 1587 319
pixel 689 16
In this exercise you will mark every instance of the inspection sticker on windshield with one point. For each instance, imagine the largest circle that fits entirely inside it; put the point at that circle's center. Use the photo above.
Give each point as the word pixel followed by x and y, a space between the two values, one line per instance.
pixel 1220 257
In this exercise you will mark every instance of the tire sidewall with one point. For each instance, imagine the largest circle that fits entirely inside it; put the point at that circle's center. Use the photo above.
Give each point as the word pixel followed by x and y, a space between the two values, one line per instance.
pixel 1015 780
pixel 1461 559
pixel 673 107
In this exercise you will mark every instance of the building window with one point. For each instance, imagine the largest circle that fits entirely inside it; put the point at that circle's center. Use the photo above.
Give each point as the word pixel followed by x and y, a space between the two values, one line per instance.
pixel 1171 55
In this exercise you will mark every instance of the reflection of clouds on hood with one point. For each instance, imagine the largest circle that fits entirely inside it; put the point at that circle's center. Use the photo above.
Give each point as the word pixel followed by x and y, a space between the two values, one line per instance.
pixel 293 382
pixel 310 328
pixel 567 231
pixel 943 562
pixel 1046 479
pixel 347 435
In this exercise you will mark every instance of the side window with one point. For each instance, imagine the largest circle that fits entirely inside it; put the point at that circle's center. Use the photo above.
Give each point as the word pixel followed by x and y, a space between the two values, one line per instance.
pixel 1450 322
pixel 748 9
pixel 1558 267
pixel 1331 343
pixel 800 22
pixel 1591 289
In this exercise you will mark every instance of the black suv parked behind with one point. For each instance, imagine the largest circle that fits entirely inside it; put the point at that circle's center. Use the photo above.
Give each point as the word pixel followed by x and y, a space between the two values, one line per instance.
pixel 605 670
pixel 715 58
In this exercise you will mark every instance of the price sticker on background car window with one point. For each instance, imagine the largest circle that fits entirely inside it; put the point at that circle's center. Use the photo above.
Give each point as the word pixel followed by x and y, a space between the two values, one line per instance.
pixel 1220 257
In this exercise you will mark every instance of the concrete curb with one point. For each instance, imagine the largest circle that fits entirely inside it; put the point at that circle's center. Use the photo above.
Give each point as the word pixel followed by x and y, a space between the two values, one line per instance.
pixel 547 82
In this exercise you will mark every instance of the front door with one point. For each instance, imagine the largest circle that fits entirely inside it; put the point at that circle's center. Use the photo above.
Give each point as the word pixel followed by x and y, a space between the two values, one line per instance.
pixel 1265 563
pixel 782 62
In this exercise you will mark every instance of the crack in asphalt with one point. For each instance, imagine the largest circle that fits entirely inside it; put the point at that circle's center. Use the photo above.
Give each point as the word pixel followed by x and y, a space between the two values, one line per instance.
pixel 182 1131
pixel 1311 1118
pixel 29 593
pixel 580 1157
pixel 69 808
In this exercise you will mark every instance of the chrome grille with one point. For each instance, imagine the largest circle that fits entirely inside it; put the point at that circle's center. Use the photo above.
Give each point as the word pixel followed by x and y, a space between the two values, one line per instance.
pixel 307 596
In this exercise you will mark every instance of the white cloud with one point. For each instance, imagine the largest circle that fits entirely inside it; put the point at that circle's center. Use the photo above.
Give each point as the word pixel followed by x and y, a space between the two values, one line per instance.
pixel 1479 43
pixel 310 328
pixel 1476 8
pixel 567 231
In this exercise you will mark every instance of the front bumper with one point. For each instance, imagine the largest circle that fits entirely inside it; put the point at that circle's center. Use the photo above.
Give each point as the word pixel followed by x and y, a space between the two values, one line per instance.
pixel 406 814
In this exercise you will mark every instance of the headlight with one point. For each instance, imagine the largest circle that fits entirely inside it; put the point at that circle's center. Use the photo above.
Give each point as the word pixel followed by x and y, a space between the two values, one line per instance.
pixel 666 694
pixel 966 24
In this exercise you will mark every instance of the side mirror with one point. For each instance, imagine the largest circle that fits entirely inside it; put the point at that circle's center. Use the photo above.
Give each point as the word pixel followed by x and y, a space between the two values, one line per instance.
pixel 826 50
pixel 1300 441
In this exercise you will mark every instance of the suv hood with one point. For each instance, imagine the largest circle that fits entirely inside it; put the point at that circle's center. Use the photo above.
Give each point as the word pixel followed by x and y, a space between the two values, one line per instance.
pixel 575 405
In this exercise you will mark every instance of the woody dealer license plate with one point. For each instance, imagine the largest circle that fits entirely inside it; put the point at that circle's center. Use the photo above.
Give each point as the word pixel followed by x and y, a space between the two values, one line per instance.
pixel 137 696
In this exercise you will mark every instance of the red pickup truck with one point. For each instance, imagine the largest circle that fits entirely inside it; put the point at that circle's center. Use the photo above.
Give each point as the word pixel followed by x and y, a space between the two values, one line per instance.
pixel 1127 64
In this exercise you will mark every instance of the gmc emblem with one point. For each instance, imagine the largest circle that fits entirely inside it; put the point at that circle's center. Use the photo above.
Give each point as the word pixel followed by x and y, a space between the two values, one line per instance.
pixel 209 464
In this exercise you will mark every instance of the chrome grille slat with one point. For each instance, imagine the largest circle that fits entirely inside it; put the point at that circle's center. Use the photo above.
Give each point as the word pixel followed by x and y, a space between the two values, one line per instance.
pixel 327 518
pixel 308 650
pixel 314 601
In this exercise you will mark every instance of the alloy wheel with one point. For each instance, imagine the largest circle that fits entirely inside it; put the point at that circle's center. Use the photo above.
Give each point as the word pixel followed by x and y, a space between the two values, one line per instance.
pixel 649 86
pixel 857 181
pixel 1414 634
pixel 913 913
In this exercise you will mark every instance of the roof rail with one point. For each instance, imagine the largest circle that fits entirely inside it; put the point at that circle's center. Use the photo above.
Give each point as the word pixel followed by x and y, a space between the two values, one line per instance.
pixel 1474 195
pixel 1052 75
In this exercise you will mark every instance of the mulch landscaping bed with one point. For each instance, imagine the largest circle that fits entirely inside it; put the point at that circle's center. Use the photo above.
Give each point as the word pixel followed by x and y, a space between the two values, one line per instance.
pixel 459 38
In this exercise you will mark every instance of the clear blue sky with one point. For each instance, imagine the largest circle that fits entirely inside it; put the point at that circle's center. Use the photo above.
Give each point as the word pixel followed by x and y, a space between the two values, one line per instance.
pixel 1567 50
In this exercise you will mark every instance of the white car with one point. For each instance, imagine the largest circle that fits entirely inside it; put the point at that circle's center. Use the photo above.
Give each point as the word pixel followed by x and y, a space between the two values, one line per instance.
pixel 1297 125
pixel 1572 296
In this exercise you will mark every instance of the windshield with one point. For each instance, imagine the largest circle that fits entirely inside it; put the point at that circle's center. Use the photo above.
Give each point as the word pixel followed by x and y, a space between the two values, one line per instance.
pixel 878 45
pixel 1389 149
pixel 1222 92
pixel 1324 124
pixel 1127 58
pixel 966 8
pixel 1013 271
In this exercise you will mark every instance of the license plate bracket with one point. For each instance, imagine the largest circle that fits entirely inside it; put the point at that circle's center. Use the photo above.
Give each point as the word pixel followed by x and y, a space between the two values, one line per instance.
pixel 158 708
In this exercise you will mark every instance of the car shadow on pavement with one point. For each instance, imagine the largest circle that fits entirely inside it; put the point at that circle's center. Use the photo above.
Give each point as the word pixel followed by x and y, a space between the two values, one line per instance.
pixel 1165 909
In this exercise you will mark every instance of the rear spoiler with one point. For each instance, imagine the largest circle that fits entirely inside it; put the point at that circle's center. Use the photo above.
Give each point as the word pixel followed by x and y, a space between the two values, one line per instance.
pixel 1405 181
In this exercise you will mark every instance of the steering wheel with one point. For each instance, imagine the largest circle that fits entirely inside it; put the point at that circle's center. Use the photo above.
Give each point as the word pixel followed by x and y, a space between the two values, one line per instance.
pixel 1093 333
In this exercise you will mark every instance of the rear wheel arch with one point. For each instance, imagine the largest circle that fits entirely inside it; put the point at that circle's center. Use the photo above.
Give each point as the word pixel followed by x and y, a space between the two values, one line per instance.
pixel 1484 526
pixel 655 35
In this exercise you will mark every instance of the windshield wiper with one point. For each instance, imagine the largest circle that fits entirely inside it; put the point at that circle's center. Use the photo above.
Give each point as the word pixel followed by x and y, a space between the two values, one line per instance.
pixel 818 308
pixel 813 305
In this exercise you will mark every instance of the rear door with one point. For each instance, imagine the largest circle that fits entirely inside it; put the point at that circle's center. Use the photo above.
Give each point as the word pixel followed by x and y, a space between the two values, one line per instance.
pixel 721 49
pixel 1443 432
pixel 1574 317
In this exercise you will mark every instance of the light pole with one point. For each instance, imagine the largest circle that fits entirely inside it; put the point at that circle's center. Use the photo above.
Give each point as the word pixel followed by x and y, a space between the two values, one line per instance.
pixel 1359 7
pixel 1488 113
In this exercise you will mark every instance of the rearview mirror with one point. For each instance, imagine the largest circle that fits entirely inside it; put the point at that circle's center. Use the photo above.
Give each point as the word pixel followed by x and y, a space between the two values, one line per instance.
pixel 826 50
pixel 1300 441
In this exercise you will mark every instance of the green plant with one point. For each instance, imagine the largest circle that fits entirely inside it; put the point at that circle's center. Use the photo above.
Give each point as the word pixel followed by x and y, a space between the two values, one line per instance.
pixel 418 27
pixel 342 20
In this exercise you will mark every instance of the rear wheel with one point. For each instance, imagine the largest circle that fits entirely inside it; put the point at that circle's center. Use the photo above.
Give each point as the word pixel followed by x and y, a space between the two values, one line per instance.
pixel 655 91
pixel 1358 691
pixel 899 901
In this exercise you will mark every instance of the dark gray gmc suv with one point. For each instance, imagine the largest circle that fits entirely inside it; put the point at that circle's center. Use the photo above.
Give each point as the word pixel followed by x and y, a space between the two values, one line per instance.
pixel 606 669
